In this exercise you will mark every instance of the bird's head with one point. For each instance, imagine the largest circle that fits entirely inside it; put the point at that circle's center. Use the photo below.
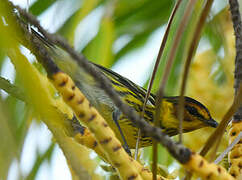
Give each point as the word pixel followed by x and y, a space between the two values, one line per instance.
pixel 196 116
pixel 198 113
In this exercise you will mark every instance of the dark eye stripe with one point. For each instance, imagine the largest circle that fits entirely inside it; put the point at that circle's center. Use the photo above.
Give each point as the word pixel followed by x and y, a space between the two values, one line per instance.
pixel 193 111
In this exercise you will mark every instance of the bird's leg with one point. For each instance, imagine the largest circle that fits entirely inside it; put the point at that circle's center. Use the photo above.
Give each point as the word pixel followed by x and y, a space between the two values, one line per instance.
pixel 116 115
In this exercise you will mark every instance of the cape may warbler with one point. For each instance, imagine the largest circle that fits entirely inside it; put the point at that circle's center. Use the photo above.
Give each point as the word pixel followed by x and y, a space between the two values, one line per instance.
pixel 196 115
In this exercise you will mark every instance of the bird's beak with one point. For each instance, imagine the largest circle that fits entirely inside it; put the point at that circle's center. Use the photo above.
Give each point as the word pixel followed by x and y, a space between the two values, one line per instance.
pixel 212 123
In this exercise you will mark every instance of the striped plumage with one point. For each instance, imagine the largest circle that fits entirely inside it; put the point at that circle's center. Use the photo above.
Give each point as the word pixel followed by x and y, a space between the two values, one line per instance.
pixel 196 115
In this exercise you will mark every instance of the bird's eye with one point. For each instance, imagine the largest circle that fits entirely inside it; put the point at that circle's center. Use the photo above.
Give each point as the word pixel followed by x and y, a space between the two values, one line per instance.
pixel 192 110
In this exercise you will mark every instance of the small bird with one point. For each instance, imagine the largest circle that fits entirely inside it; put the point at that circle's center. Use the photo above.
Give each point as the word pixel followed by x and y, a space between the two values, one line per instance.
pixel 196 115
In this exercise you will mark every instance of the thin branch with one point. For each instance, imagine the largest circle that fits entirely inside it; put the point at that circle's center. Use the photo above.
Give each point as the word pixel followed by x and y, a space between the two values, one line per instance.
pixel 236 18
pixel 235 168
pixel 192 49
pixel 217 134
pixel 170 60
pixel 157 62
pixel 226 151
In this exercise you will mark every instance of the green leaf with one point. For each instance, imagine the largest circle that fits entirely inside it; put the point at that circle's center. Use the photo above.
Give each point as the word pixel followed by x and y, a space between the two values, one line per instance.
pixel 141 17
pixel 8 149
pixel 11 89
pixel 40 6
